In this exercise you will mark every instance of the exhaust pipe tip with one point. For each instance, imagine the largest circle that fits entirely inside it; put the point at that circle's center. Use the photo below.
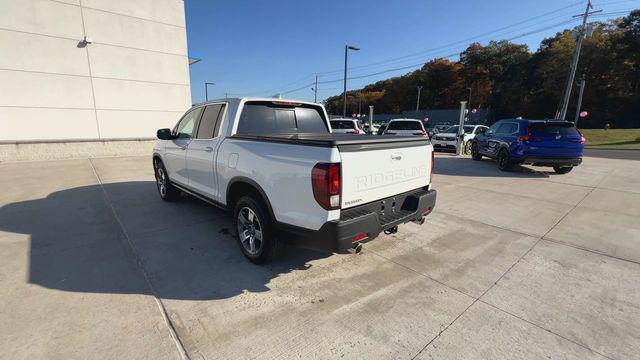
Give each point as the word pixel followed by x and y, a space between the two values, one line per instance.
pixel 357 248
pixel 419 221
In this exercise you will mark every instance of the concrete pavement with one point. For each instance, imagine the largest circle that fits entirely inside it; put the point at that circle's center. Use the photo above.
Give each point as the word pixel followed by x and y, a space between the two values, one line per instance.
pixel 525 265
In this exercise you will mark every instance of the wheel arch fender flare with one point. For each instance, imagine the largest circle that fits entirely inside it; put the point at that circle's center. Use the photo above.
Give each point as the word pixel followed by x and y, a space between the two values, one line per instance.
pixel 245 181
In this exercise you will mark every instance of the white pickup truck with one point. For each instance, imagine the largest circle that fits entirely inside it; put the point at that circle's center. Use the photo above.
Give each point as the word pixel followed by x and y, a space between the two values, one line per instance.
pixel 276 166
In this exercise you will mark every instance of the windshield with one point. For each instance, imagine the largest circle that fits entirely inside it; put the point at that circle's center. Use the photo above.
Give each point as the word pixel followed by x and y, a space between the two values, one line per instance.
pixel 552 129
pixel 468 129
pixel 342 124
pixel 405 125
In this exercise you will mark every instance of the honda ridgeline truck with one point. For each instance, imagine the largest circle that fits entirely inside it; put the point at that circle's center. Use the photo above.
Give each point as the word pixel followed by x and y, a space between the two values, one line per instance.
pixel 275 165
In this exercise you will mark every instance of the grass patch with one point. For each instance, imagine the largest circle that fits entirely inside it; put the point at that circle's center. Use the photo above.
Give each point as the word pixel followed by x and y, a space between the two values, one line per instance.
pixel 612 139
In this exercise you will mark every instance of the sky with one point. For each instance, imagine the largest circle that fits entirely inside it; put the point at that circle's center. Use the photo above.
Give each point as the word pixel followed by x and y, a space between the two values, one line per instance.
pixel 263 48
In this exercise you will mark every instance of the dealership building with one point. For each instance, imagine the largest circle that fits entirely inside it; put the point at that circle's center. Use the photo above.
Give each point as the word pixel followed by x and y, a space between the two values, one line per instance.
pixel 85 77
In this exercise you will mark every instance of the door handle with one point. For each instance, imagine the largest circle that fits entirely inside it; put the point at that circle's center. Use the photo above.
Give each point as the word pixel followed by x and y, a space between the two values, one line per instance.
pixel 208 149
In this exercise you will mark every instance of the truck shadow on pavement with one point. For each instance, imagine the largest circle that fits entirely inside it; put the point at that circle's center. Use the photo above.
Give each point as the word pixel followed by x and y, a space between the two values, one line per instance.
pixel 120 238
pixel 465 166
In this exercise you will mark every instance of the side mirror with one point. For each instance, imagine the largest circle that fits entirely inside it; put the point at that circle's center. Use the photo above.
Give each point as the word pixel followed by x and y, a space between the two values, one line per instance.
pixel 164 134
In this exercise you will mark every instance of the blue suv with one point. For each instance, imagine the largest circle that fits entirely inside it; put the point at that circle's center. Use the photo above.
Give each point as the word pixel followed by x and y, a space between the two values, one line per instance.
pixel 535 142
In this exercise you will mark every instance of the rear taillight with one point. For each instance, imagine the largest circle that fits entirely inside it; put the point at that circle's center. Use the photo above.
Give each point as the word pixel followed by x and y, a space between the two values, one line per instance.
pixel 433 166
pixel 325 181
pixel 527 137
pixel 581 140
pixel 357 131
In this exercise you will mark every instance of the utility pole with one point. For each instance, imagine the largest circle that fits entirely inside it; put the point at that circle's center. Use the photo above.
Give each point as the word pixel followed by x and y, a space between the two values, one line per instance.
pixel 315 91
pixel 575 120
pixel 582 33
pixel 359 105
pixel 344 96
pixel 226 95
pixel 418 101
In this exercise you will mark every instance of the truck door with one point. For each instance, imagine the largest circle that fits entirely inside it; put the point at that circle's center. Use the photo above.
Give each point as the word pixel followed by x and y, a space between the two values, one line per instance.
pixel 176 149
pixel 202 151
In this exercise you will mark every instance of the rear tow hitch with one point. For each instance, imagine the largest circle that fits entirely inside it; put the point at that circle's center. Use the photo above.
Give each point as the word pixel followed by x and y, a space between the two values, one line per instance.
pixel 391 230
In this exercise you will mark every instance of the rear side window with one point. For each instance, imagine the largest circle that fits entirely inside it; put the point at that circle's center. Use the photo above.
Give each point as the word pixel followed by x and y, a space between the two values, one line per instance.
pixel 342 124
pixel 552 129
pixel 405 125
pixel 507 128
pixel 263 118
pixel 209 121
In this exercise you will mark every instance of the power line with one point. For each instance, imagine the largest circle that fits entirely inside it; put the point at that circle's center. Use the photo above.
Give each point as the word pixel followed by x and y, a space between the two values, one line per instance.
pixel 461 41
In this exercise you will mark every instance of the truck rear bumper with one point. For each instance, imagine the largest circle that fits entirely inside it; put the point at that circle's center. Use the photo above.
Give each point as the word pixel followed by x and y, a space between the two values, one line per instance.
pixel 552 161
pixel 363 223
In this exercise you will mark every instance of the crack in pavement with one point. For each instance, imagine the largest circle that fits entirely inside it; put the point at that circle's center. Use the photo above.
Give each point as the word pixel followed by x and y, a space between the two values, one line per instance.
pixel 163 311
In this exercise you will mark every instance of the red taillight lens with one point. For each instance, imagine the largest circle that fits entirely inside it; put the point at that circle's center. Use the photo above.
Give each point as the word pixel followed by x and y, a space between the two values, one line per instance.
pixel 581 140
pixel 325 181
pixel 359 238
pixel 433 166
pixel 357 131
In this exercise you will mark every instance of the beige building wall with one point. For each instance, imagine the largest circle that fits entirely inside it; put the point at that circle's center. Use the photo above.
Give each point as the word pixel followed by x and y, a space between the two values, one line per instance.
pixel 131 80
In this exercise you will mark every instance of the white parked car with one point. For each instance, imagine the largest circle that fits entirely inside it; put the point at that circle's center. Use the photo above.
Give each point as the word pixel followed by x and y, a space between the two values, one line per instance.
pixel 446 140
pixel 346 126
pixel 277 168
pixel 411 127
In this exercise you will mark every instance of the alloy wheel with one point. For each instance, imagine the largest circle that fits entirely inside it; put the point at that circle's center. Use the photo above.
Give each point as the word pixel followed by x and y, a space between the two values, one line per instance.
pixel 249 230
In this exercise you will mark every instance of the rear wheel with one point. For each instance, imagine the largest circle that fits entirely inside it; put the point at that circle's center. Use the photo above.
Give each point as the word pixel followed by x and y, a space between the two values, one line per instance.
pixel 475 153
pixel 167 191
pixel 562 169
pixel 504 160
pixel 255 234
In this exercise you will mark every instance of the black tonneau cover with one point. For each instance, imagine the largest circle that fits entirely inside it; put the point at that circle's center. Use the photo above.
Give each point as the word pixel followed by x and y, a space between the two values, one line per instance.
pixel 344 142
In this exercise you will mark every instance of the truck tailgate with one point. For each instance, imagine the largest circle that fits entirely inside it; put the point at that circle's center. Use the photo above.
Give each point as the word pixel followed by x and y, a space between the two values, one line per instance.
pixel 377 172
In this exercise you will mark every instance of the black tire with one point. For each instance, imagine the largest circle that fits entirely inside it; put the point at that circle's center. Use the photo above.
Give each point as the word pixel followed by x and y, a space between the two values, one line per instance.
pixel 467 147
pixel 268 247
pixel 562 169
pixel 475 153
pixel 167 191
pixel 504 160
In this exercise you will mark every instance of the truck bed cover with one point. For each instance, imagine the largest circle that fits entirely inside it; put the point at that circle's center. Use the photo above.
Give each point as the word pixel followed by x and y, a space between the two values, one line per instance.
pixel 344 142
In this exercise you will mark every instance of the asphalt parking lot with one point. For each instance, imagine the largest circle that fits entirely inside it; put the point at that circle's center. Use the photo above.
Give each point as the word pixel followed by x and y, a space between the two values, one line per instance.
pixel 510 265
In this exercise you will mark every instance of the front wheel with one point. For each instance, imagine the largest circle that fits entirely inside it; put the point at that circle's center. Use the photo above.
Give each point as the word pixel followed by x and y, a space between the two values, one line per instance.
pixel 562 169
pixel 475 152
pixel 255 231
pixel 167 191
pixel 467 147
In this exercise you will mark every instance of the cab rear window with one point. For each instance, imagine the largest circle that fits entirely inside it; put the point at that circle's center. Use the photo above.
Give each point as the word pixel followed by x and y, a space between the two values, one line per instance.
pixel 553 129
pixel 342 124
pixel 264 118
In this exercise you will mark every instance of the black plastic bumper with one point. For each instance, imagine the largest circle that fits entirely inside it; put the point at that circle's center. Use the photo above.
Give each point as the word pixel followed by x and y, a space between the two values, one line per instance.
pixel 552 161
pixel 363 223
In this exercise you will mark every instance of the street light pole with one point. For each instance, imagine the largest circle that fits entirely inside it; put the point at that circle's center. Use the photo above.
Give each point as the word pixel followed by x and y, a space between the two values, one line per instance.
pixel 418 101
pixel 344 94
pixel 206 90
pixel 469 102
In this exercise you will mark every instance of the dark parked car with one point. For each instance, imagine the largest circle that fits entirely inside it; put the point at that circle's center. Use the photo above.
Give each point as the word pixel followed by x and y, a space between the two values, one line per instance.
pixel 535 142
